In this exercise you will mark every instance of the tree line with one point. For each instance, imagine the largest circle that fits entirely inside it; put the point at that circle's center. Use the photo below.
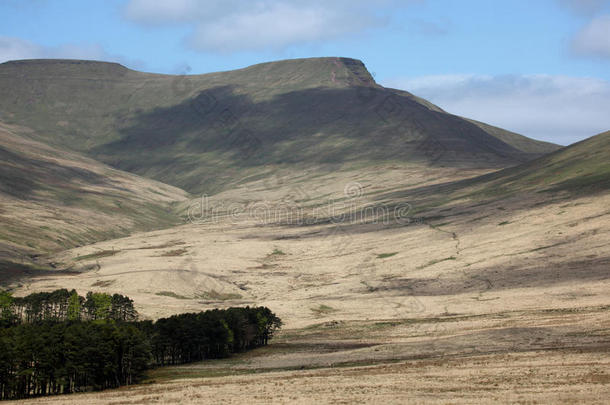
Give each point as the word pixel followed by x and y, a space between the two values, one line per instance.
pixel 58 347
pixel 179 338
pixel 63 305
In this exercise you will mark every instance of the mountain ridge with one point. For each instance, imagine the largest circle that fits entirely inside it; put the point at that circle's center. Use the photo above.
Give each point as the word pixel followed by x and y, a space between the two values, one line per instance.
pixel 202 133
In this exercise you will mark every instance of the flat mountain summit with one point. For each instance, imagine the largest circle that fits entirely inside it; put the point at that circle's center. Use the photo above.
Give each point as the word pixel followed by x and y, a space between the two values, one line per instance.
pixel 205 133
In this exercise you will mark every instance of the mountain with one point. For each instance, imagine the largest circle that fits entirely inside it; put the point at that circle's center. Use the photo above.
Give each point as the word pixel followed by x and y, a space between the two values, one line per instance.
pixel 206 133
pixel 384 231
pixel 52 200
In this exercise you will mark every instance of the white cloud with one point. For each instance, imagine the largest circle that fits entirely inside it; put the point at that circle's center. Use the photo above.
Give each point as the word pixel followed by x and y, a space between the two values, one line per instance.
pixel 277 26
pixel 15 48
pixel 12 48
pixel 558 109
pixel 585 7
pixel 237 25
pixel 594 38
pixel 176 11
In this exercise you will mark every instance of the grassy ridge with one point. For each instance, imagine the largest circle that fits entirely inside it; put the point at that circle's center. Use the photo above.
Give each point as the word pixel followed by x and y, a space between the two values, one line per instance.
pixel 579 169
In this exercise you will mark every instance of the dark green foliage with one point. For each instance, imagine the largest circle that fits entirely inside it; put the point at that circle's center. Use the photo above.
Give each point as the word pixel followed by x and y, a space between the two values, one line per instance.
pixel 62 357
pixel 60 342
pixel 216 333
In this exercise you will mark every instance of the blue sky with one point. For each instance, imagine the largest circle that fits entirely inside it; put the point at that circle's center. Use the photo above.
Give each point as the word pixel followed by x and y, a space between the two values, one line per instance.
pixel 541 68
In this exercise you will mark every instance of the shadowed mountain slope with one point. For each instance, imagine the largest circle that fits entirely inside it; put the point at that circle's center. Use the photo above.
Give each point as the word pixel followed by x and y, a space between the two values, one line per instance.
pixel 52 200
pixel 206 132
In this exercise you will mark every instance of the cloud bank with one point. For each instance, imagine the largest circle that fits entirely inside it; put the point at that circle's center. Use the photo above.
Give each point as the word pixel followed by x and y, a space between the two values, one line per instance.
pixel 233 25
pixel 558 109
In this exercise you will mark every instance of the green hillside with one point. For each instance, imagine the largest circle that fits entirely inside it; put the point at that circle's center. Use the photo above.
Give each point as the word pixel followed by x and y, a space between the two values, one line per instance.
pixel 583 167
pixel 580 169
pixel 204 133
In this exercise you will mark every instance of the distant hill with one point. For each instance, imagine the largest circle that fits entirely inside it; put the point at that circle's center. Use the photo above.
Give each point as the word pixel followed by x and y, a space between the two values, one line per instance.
pixel 204 133
pixel 52 200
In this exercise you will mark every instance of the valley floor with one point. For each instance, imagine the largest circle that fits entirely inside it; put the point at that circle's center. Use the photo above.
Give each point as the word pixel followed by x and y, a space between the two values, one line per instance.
pixel 527 378
pixel 500 299
pixel 516 357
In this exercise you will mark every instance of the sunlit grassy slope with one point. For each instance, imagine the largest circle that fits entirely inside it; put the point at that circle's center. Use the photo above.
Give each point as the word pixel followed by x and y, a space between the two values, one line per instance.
pixel 583 167
pixel 580 169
